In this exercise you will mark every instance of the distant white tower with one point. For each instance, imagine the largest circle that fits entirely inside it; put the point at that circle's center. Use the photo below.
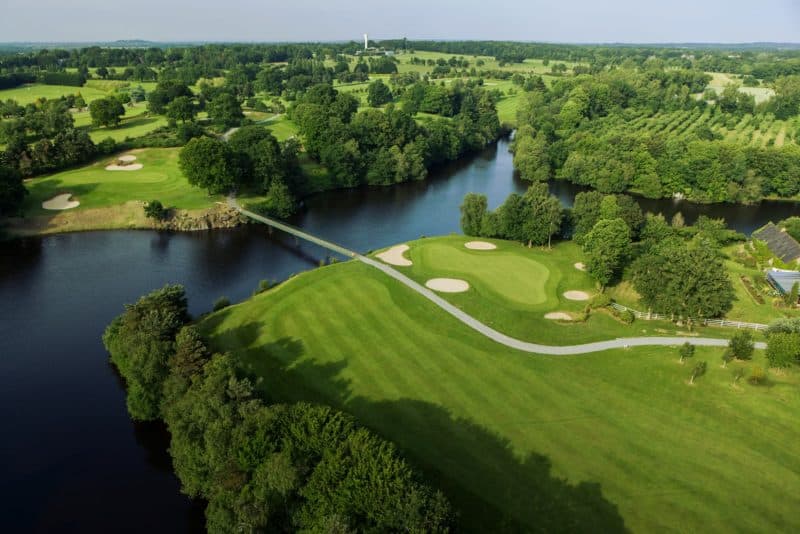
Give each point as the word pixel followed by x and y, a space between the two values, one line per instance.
pixel 366 42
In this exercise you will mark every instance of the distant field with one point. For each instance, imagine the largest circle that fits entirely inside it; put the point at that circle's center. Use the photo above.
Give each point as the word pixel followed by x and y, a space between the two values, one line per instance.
pixel 605 442
pixel 719 80
pixel 27 94
pixel 95 187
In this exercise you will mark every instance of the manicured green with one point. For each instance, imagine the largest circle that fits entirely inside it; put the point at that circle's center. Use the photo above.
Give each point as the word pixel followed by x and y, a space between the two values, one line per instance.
pixel 553 443
pixel 94 187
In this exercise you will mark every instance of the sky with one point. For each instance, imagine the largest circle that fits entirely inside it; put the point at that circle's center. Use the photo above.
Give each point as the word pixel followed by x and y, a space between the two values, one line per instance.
pixel 584 21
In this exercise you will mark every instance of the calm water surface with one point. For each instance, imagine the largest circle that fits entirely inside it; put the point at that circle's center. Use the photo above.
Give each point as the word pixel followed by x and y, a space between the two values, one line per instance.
pixel 70 459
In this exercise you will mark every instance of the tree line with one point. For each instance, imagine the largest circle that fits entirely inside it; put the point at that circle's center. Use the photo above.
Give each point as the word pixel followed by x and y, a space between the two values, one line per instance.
pixel 258 465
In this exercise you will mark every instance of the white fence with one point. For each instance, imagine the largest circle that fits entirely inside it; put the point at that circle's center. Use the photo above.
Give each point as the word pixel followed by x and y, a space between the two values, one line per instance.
pixel 647 316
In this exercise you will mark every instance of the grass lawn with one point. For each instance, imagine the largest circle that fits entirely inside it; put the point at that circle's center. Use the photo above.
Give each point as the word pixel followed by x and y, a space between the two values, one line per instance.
pixel 27 94
pixel 135 125
pixel 593 443
pixel 282 128
pixel 95 187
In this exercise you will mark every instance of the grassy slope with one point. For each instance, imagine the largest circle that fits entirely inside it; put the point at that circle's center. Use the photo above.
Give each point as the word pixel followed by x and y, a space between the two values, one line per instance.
pixel 95 187
pixel 547 441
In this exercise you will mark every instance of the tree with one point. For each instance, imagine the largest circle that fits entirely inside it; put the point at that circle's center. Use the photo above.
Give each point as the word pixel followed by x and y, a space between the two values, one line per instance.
pixel 473 210
pixel 543 217
pixel 741 345
pixel 155 210
pixel 698 370
pixel 181 109
pixel 791 297
pixel 225 111
pixel 792 226
pixel 164 93
pixel 683 280
pixel 607 247
pixel 727 357
pixel 378 93
pixel 686 351
pixel 106 111
pixel 531 157
pixel 585 212
pixel 12 190
pixel 211 164
pixel 141 341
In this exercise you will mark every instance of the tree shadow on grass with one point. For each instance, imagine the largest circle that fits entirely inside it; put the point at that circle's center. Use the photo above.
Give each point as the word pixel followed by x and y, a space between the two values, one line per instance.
pixel 492 488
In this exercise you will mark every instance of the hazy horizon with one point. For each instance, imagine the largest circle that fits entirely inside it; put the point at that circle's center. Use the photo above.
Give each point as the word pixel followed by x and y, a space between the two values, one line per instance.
pixel 569 21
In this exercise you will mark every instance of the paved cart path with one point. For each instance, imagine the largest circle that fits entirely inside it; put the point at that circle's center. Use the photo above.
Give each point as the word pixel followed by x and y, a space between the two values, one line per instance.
pixel 491 333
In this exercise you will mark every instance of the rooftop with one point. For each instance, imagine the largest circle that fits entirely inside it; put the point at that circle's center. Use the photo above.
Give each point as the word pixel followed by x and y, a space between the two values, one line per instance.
pixel 783 280
pixel 779 242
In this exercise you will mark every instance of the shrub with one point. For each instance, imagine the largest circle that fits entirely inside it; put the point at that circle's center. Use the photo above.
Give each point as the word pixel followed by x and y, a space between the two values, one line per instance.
pixel 741 345
pixel 601 300
pixel 757 376
pixel 783 349
pixel 263 285
pixel 686 351
pixel 155 210
pixel 221 303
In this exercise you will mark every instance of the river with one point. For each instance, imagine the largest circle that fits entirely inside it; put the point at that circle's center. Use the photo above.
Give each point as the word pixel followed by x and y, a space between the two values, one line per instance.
pixel 70 458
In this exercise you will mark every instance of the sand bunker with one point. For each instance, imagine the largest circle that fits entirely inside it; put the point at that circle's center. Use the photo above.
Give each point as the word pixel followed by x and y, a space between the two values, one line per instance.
pixel 558 316
pixel 132 167
pixel 447 285
pixel 60 202
pixel 394 256
pixel 480 245
pixel 576 295
pixel 124 163
pixel 580 266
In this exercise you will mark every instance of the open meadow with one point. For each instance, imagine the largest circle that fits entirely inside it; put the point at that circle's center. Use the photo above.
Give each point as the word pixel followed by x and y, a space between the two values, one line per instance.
pixel 602 442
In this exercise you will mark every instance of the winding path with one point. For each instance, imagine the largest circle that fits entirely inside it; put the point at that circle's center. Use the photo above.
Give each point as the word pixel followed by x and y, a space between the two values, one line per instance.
pixel 491 333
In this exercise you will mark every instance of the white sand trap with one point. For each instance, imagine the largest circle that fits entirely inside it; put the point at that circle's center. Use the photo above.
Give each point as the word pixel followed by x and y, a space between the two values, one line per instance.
pixel 558 316
pixel 127 158
pixel 580 266
pixel 447 285
pixel 394 256
pixel 480 245
pixel 132 167
pixel 576 295
pixel 60 202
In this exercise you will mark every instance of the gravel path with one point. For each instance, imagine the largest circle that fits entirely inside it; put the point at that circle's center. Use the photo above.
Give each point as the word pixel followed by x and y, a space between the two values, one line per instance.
pixel 491 333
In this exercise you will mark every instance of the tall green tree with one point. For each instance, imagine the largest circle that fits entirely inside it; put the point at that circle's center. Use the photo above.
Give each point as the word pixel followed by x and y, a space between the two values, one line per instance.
pixel 106 111
pixel 473 210
pixel 543 217
pixel 686 281
pixel 378 93
pixel 12 190
pixel 607 247
pixel 225 111
pixel 141 342
pixel 531 157
pixel 181 109
pixel 210 164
